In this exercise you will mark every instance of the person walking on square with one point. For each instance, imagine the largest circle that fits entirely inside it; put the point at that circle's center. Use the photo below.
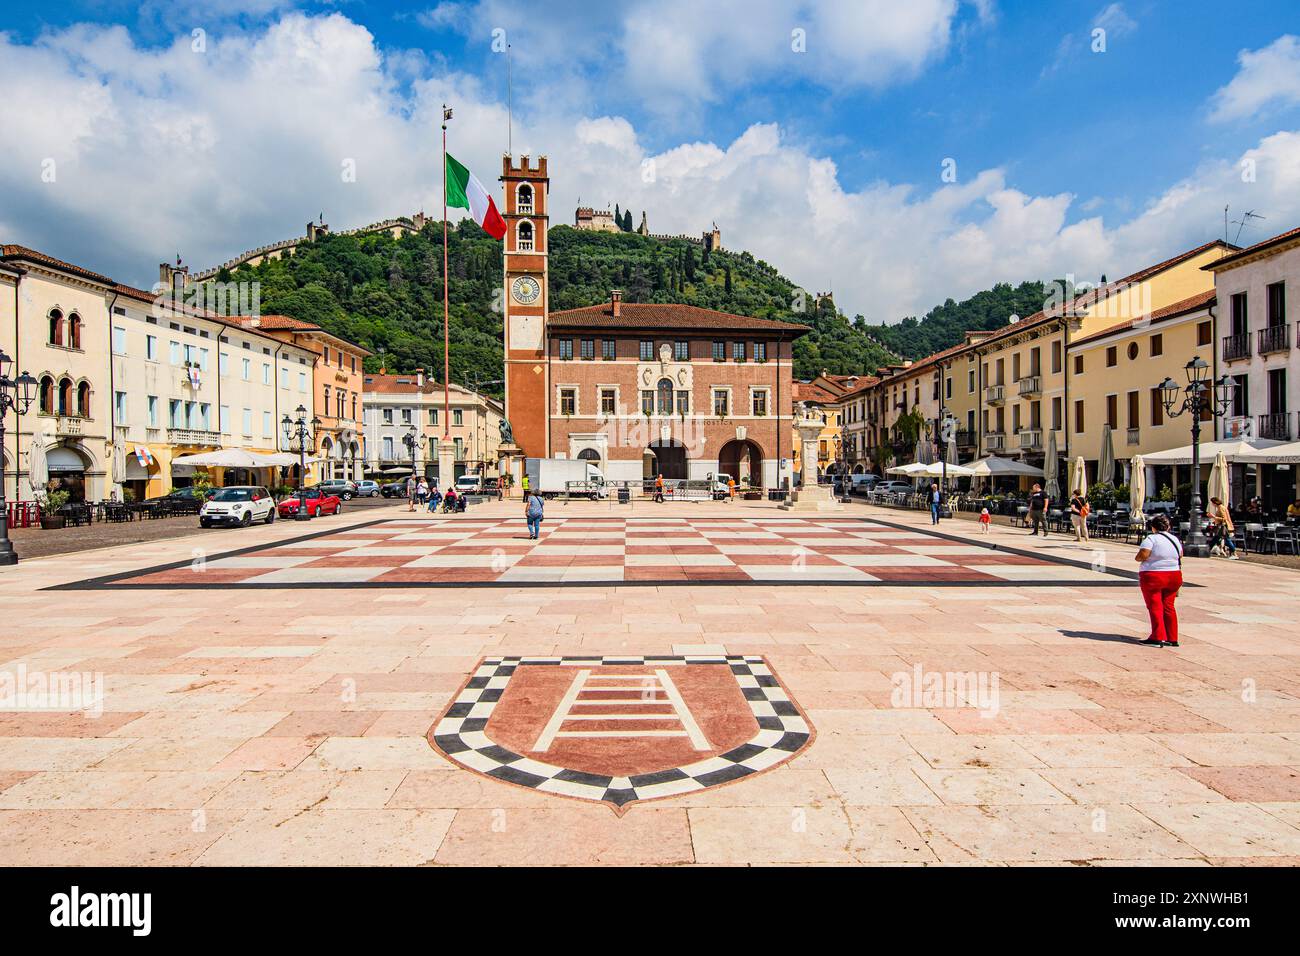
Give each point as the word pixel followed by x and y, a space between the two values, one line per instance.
pixel 1079 509
pixel 985 520
pixel 421 492
pixel 936 499
pixel 659 488
pixel 1038 503
pixel 533 513
pixel 1221 529
pixel 1160 576
pixel 410 493
pixel 731 489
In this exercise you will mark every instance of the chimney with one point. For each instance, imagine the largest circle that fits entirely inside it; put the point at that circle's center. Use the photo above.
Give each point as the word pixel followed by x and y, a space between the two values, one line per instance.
pixel 419 377
pixel 616 302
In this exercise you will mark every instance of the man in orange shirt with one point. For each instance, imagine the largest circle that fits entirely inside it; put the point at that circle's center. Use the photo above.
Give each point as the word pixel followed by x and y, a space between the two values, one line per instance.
pixel 659 488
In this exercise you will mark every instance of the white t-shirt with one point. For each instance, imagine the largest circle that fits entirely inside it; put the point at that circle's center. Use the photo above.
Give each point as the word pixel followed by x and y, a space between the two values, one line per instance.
pixel 1165 552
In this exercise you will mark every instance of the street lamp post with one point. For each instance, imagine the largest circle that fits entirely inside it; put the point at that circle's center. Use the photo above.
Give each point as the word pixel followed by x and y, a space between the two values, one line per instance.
pixel 18 394
pixel 300 434
pixel 414 442
pixel 1197 397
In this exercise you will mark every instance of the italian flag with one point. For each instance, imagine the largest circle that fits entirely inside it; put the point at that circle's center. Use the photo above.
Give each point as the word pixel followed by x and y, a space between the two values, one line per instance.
pixel 464 191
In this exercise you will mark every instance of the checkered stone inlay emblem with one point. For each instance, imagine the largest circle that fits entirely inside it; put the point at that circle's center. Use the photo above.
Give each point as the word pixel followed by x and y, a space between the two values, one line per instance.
pixel 619 730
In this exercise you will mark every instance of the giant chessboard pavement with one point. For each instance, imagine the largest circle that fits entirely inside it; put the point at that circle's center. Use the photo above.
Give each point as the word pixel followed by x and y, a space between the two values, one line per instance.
pixel 466 551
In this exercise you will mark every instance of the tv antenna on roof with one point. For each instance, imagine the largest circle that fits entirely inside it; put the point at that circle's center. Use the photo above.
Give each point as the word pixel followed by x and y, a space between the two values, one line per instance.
pixel 1246 217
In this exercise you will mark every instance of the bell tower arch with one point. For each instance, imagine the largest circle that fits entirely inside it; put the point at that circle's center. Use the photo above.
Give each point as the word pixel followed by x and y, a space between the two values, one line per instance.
pixel 526 302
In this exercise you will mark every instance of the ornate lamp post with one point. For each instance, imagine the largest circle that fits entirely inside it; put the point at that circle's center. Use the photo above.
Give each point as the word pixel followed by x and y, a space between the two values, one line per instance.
pixel 414 442
pixel 17 394
pixel 1198 397
pixel 300 435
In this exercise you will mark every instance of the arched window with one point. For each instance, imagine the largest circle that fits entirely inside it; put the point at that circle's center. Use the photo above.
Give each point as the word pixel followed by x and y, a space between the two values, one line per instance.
pixel 83 399
pixel 56 327
pixel 525 236
pixel 589 454
pixel 664 402
pixel 65 396
pixel 47 395
pixel 74 331
pixel 525 195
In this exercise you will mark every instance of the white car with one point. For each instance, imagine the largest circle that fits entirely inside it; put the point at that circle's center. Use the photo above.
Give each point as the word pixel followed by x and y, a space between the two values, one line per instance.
pixel 469 485
pixel 238 505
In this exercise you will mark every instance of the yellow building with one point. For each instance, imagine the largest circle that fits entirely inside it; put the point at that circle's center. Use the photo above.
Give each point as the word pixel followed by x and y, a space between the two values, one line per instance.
pixel 1116 374
pixel 1025 384
pixel 823 396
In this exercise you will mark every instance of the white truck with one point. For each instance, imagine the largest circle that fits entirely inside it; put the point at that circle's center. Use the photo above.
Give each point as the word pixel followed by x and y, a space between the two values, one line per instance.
pixel 550 477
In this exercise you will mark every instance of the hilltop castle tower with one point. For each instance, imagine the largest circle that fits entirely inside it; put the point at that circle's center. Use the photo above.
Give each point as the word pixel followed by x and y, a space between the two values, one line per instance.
pixel 526 302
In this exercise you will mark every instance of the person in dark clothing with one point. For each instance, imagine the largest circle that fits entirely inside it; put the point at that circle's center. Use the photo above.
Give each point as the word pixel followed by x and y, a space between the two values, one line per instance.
pixel 936 502
pixel 1038 502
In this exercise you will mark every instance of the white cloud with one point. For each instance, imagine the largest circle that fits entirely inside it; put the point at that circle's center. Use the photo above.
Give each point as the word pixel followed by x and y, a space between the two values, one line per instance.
pixel 1115 21
pixel 1267 77
pixel 165 149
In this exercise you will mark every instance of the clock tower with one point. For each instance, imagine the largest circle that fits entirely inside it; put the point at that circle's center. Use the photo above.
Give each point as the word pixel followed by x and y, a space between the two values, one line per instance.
pixel 526 303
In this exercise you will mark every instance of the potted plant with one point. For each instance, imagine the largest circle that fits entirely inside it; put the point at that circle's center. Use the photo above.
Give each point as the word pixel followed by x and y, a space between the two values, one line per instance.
pixel 54 500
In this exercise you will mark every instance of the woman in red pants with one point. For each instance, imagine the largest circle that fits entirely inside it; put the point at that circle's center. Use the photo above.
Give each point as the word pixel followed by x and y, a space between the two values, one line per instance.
pixel 1160 575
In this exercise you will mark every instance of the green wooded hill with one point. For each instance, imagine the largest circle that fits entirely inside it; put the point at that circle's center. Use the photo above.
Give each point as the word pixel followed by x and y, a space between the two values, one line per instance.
pixel 386 294
pixel 945 325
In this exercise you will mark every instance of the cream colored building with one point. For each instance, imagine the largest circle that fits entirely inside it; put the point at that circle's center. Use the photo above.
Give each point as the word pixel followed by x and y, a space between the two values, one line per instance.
pixel 396 403
pixel 129 380
pixel 53 325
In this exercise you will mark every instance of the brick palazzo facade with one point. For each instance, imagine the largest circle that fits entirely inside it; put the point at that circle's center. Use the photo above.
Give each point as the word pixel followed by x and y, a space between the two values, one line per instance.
pixel 640 388
pixel 647 388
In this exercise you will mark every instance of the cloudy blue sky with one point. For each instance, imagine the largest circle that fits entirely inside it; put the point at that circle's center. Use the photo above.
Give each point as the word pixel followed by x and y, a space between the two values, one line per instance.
pixel 1079 137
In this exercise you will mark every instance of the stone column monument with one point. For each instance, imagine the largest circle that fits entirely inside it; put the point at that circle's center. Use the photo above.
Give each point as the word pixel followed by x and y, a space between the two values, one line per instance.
pixel 510 461
pixel 810 496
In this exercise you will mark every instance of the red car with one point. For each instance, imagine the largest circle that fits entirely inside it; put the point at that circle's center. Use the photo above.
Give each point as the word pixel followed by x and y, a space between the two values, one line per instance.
pixel 318 503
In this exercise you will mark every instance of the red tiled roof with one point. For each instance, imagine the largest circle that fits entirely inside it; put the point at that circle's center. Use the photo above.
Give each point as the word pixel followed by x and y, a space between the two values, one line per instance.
pixel 1191 304
pixel 31 255
pixel 814 393
pixel 278 322
pixel 864 383
pixel 656 315
pixel 1279 240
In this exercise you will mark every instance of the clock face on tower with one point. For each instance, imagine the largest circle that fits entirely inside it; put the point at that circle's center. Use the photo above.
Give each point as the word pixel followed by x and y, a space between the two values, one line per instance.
pixel 525 290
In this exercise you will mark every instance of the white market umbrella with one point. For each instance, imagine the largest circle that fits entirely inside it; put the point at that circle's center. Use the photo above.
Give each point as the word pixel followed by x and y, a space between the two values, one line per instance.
pixel 230 458
pixel 1217 487
pixel 994 467
pixel 1050 466
pixel 936 470
pixel 1283 454
pixel 912 469
pixel 1233 449
pixel 1106 457
pixel 1137 489
pixel 1079 477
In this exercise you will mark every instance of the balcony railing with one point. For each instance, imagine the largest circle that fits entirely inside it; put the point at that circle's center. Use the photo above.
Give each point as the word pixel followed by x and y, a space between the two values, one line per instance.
pixel 965 438
pixel 1276 425
pixel 1236 347
pixel 1031 439
pixel 192 436
pixel 68 425
pixel 995 441
pixel 1031 385
pixel 1275 338
pixel 1134 436
pixel 995 394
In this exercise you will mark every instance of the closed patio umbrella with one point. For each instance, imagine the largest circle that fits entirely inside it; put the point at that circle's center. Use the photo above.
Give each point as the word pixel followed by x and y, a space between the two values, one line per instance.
pixel 1137 490
pixel 1218 484
pixel 1050 467
pixel 1079 477
pixel 38 473
pixel 1106 457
